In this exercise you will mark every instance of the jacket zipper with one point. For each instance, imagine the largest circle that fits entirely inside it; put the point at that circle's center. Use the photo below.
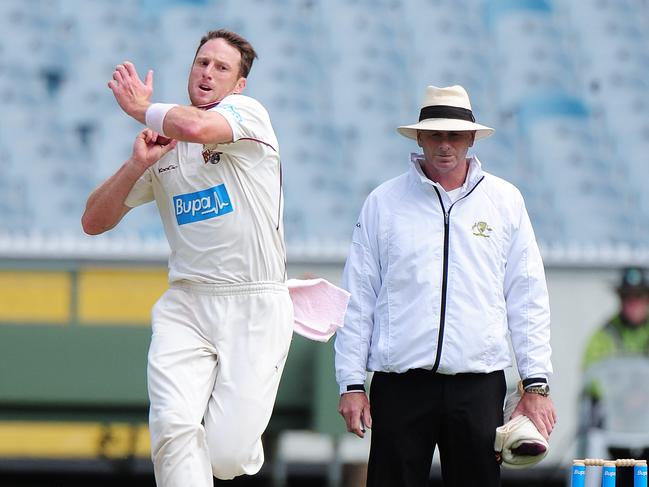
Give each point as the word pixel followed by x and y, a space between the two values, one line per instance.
pixel 442 312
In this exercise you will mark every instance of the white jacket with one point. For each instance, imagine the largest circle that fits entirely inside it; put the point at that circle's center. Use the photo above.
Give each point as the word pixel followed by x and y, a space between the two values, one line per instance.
pixel 439 286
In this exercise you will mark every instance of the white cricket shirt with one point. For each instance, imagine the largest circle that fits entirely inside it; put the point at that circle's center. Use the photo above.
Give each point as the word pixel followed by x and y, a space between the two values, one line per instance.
pixel 221 204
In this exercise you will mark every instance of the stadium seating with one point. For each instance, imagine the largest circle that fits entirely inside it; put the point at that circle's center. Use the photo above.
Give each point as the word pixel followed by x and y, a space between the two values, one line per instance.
pixel 337 82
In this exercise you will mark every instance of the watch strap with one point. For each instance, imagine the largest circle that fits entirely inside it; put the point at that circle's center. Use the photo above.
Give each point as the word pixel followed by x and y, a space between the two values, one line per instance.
pixel 541 390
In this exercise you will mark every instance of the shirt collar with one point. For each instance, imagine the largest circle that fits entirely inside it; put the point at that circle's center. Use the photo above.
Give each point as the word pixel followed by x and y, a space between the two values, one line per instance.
pixel 208 106
pixel 474 174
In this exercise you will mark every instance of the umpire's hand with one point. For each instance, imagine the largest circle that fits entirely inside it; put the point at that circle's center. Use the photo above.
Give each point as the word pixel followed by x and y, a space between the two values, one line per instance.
pixel 540 410
pixel 354 407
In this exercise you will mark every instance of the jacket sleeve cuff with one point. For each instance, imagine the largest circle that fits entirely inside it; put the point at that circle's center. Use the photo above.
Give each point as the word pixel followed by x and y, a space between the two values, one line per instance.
pixel 357 387
pixel 536 380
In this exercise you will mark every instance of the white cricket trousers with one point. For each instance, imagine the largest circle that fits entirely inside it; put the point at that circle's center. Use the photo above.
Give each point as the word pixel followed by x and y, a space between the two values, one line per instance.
pixel 215 361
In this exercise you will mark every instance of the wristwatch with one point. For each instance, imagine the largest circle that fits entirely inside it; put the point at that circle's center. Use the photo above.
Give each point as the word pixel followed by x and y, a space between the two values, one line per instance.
pixel 540 389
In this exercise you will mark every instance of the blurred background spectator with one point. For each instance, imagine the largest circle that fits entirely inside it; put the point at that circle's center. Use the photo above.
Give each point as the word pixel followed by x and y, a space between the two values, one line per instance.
pixel 615 421
pixel 626 333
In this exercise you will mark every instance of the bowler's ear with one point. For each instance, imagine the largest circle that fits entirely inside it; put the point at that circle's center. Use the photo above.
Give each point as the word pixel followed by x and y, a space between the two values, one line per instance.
pixel 418 140
pixel 240 86
pixel 472 138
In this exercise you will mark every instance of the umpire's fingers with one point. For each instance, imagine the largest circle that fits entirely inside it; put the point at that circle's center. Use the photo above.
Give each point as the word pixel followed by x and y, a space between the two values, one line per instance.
pixel 348 414
pixel 541 425
pixel 367 416
pixel 355 424
pixel 351 408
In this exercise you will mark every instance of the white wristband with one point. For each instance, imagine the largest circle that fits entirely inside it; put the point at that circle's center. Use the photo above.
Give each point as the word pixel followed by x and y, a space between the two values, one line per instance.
pixel 155 116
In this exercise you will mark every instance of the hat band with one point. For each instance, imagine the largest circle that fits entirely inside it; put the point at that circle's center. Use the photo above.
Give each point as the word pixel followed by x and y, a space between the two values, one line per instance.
pixel 446 111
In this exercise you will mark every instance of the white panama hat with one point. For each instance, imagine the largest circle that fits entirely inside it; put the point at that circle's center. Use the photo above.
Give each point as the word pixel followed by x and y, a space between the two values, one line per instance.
pixel 447 109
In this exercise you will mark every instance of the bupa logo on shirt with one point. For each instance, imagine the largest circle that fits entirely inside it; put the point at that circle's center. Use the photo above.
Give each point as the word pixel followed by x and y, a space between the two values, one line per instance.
pixel 202 205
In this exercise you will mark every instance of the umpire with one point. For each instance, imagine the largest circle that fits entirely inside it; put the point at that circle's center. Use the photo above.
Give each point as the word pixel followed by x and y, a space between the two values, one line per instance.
pixel 443 267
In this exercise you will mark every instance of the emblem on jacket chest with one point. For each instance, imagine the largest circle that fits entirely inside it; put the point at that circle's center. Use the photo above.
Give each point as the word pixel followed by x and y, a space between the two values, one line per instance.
pixel 481 229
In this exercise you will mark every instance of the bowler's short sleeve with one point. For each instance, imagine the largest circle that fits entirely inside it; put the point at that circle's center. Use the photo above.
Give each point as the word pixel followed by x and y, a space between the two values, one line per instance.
pixel 142 191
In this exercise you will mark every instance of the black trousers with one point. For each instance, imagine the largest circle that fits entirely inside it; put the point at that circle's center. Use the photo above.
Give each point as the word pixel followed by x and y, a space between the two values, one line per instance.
pixel 414 412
